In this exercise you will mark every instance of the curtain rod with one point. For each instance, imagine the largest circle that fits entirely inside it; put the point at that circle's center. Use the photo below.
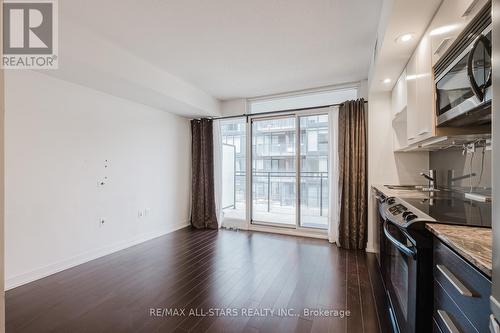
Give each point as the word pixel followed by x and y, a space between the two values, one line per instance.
pixel 277 112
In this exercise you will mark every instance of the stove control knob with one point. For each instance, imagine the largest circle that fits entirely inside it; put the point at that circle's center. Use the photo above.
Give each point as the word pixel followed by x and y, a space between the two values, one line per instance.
pixel 410 217
pixel 391 201
pixel 405 214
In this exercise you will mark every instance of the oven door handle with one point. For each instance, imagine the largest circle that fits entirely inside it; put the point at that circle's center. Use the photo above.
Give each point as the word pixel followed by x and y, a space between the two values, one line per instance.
pixel 409 251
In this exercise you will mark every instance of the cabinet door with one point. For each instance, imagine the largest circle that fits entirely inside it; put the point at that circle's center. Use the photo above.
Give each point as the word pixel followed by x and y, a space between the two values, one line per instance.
pixel 395 98
pixel 403 91
pixel 399 94
pixel 411 108
pixel 425 91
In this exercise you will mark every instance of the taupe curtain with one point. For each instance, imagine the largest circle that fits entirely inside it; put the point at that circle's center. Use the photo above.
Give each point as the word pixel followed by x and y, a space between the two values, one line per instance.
pixel 203 213
pixel 353 175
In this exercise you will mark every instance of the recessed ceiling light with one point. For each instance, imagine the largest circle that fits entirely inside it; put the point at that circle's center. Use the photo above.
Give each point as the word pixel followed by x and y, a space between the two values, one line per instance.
pixel 404 38
pixel 386 81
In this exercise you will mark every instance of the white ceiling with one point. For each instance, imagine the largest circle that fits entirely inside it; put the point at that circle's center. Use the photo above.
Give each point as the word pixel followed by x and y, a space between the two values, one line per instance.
pixel 241 48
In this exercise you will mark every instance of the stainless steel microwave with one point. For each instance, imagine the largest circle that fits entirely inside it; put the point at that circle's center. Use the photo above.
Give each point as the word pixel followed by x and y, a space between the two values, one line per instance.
pixel 463 79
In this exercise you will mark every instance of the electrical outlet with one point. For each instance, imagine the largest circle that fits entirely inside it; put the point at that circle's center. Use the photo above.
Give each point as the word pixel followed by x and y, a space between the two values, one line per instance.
pixel 143 213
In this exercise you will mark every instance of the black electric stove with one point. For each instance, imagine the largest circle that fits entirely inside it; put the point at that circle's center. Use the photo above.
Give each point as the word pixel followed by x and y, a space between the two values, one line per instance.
pixel 453 208
pixel 405 249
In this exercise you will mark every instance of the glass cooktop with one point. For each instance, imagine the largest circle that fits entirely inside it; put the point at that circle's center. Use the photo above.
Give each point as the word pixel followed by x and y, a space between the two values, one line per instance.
pixel 454 208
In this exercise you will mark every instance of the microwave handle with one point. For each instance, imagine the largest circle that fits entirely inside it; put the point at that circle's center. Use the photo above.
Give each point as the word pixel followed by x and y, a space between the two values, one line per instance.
pixel 478 91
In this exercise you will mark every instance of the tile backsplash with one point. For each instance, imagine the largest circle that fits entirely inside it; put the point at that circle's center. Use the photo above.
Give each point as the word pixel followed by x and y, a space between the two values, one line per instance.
pixel 453 169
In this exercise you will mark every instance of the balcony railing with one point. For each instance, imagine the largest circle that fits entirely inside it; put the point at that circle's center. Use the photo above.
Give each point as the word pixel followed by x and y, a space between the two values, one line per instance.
pixel 318 179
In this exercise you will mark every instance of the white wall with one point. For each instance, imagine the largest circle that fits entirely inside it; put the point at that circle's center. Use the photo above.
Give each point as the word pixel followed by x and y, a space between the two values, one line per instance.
pixel 234 107
pixel 385 166
pixel 58 136
pixel 363 89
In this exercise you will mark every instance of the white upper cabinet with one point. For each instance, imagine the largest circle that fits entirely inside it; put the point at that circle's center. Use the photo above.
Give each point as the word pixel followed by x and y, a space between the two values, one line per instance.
pixel 399 95
pixel 399 102
pixel 411 108
pixel 425 91
pixel 420 90
pixel 449 21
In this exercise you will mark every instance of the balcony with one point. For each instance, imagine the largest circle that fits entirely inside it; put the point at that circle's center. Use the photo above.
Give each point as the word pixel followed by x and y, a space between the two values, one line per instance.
pixel 274 198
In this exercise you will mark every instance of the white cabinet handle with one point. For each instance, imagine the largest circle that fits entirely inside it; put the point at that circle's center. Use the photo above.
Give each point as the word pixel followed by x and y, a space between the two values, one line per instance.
pixel 455 282
pixel 450 326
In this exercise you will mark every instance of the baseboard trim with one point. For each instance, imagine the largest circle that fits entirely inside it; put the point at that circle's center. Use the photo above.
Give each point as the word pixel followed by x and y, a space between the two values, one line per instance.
pixel 370 250
pixel 42 272
pixel 286 231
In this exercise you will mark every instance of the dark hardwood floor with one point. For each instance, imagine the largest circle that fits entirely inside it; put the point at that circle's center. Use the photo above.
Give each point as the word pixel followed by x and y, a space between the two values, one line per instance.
pixel 204 271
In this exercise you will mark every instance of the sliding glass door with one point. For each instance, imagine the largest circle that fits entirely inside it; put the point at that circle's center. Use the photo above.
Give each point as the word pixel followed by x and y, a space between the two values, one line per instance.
pixel 289 162
pixel 274 178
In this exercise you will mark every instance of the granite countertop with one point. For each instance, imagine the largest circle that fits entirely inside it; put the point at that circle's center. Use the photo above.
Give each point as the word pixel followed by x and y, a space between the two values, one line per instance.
pixel 472 243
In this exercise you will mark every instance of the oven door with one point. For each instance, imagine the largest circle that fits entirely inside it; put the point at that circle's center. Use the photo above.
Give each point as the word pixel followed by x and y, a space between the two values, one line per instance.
pixel 400 273
pixel 378 198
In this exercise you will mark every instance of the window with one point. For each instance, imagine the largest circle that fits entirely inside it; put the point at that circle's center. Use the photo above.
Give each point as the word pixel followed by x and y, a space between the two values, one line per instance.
pixel 312 141
pixel 233 133
pixel 304 100
pixel 288 181
pixel 237 144
pixel 273 188
pixel 314 171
